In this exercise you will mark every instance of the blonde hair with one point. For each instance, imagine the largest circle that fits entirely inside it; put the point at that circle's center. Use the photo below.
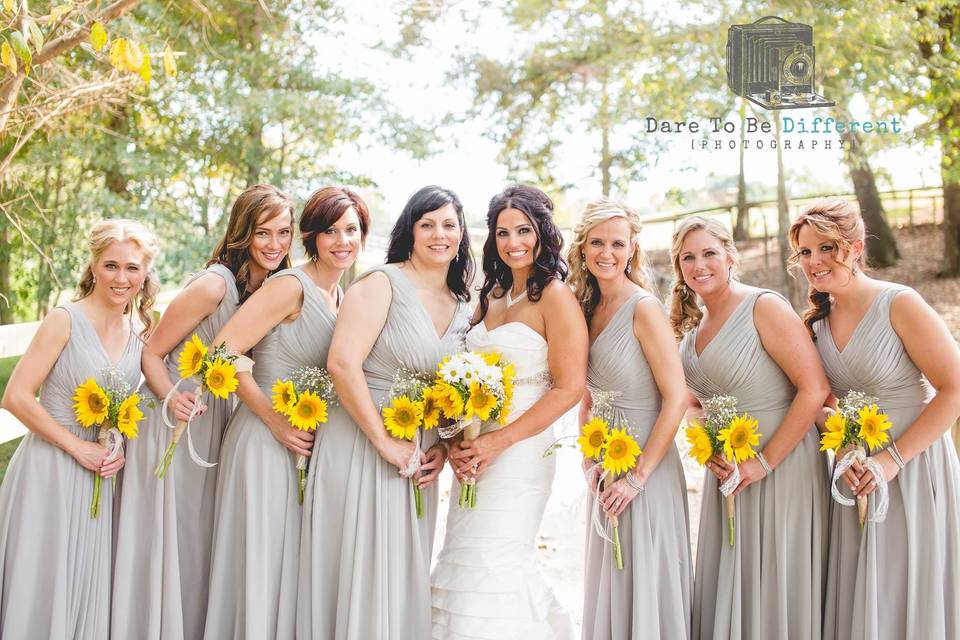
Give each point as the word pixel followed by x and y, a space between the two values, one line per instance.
pixel 105 233
pixel 685 314
pixel 584 283
pixel 838 221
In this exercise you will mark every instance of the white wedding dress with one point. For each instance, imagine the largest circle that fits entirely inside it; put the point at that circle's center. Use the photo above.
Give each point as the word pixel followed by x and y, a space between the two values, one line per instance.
pixel 486 584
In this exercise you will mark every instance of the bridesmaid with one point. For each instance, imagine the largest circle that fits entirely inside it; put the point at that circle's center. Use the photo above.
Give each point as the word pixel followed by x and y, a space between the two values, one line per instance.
pixel 370 578
pixel 748 343
pixel 634 359
pixel 165 526
pixel 54 558
pixel 288 324
pixel 901 577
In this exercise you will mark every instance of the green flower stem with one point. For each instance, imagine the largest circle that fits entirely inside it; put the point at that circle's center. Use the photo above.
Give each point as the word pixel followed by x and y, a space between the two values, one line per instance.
pixel 617 553
pixel 95 504
pixel 301 483
pixel 161 469
pixel 418 499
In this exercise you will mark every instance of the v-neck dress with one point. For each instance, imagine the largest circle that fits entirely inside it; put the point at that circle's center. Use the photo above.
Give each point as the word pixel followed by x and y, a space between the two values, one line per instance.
pixel 54 558
pixel 366 567
pixel 899 578
pixel 165 527
pixel 651 596
pixel 770 583
pixel 256 530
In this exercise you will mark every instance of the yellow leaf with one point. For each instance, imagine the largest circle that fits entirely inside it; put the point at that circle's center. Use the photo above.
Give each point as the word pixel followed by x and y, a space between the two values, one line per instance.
pixel 145 70
pixel 169 62
pixel 58 12
pixel 132 57
pixel 7 58
pixel 98 36
pixel 116 52
pixel 8 5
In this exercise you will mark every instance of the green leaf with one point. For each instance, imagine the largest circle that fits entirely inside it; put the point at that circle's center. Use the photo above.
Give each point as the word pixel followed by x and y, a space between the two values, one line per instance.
pixel 21 49
pixel 36 35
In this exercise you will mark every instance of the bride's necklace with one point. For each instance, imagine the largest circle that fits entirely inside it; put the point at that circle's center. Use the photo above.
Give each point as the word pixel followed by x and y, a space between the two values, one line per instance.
pixel 512 301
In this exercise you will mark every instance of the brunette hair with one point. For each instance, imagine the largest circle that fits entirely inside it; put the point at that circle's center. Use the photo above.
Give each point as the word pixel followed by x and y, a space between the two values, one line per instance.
pixel 322 210
pixel 548 263
pixel 840 222
pixel 233 250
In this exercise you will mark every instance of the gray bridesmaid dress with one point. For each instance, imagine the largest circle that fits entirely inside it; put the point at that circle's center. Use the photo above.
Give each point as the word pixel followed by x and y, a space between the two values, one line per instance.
pixel 256 531
pixel 166 526
pixel 54 558
pixel 650 596
pixel 899 578
pixel 366 560
pixel 770 583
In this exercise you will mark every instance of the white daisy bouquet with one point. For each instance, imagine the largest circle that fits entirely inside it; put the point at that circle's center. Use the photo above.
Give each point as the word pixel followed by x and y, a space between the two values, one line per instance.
pixel 304 398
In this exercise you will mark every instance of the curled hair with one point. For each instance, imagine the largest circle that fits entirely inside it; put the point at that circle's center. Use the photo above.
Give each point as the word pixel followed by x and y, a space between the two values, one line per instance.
pixel 105 233
pixel 685 313
pixel 427 199
pixel 548 262
pixel 838 221
pixel 322 210
pixel 233 250
pixel 584 283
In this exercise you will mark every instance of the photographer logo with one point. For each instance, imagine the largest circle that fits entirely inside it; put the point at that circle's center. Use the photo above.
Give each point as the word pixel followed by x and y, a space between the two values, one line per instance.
pixel 771 63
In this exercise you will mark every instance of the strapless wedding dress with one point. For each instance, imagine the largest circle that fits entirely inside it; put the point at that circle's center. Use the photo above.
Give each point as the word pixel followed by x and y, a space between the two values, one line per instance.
pixel 486 584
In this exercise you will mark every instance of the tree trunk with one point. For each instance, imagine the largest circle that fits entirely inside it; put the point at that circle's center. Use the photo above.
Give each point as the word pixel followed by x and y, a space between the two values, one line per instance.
pixel 256 152
pixel 881 244
pixel 6 301
pixel 790 287
pixel 950 176
pixel 606 161
pixel 740 229
pixel 113 176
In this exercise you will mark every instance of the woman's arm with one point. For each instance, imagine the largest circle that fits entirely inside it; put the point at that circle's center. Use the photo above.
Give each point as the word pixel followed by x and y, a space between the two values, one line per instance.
pixel 198 300
pixel 269 306
pixel 567 346
pixel 934 351
pixel 20 396
pixel 363 315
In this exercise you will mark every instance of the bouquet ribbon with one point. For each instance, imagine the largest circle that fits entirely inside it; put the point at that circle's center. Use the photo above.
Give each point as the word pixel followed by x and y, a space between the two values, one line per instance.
pixel 114 443
pixel 597 517
pixel 733 480
pixel 173 425
pixel 413 464
pixel 883 494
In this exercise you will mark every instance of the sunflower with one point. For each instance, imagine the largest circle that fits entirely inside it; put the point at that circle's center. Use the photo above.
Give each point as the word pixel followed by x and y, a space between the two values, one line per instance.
pixel 593 435
pixel 481 402
pixel 128 415
pixel 221 379
pixel 191 358
pixel 873 426
pixel 308 412
pixel 450 400
pixel 403 417
pixel 493 358
pixel 739 438
pixel 284 396
pixel 91 403
pixel 621 452
pixel 431 408
pixel 835 434
pixel 701 448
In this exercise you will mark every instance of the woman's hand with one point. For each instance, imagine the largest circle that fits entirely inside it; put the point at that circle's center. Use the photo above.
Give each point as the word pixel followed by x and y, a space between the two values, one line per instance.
pixel 853 473
pixel 591 473
pixel 868 483
pixel 617 496
pixel 297 441
pixel 398 453
pixel 112 467
pixel 750 471
pixel 183 403
pixel 720 467
pixel 472 457
pixel 431 466
pixel 90 455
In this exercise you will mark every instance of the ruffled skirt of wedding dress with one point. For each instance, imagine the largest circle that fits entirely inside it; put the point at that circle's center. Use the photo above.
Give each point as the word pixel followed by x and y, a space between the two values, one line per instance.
pixel 487 584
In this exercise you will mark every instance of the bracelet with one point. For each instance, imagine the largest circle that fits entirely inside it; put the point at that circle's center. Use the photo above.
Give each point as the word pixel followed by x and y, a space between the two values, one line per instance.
pixel 895 455
pixel 633 482
pixel 763 463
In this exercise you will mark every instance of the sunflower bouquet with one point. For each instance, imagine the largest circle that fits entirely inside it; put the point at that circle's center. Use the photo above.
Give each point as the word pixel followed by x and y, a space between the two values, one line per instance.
pixel 858 423
pixel 304 399
pixel 728 434
pixel 217 373
pixel 471 388
pixel 413 405
pixel 114 409
pixel 616 451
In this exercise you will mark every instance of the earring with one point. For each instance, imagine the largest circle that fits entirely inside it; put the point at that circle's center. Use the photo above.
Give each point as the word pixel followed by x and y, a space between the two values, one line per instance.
pixel 583 261
pixel 683 288
pixel 729 275
pixel 856 270
pixel 629 266
pixel 94 279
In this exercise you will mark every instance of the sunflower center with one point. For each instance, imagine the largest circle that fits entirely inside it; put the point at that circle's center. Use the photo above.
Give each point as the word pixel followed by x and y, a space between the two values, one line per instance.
pixel 195 360
pixel 738 438
pixel 96 403
pixel 215 379
pixel 870 427
pixel 617 449
pixel 404 416
pixel 305 410
pixel 596 439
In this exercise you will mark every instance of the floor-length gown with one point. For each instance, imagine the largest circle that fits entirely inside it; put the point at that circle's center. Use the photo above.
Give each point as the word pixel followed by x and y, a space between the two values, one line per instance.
pixel 651 596
pixel 256 532
pixel 899 578
pixel 770 583
pixel 166 526
pixel 366 563
pixel 487 583
pixel 54 558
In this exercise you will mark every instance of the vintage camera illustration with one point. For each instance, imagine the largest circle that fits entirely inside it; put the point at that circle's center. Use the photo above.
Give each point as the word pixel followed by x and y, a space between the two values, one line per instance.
pixel 771 62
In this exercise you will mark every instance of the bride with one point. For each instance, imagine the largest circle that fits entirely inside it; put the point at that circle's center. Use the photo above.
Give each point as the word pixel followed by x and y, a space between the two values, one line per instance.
pixel 486 583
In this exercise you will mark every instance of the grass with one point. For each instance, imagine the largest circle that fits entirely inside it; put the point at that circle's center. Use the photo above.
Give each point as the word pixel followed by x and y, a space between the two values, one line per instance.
pixel 7 448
